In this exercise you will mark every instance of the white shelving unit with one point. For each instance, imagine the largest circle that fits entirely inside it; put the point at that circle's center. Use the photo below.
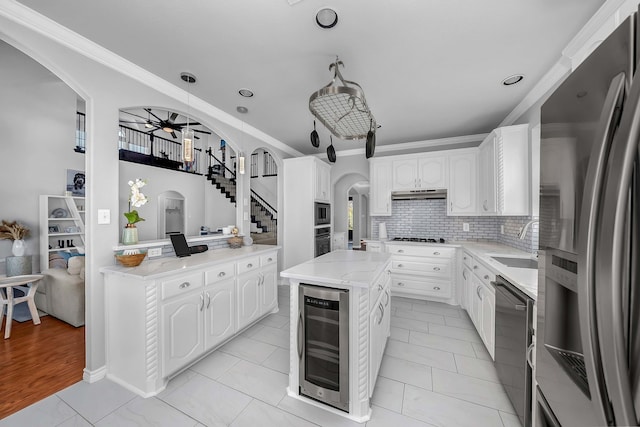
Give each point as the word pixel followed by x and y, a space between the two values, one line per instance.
pixel 66 213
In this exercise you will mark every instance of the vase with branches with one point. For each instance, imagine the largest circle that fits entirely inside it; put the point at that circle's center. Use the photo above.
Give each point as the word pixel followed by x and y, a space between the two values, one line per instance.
pixel 17 233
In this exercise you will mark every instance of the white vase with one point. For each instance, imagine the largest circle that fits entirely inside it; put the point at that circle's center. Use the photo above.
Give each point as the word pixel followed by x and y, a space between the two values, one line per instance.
pixel 18 248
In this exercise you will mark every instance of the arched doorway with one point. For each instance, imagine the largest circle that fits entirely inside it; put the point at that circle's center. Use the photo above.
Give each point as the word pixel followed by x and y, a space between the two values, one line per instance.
pixel 43 122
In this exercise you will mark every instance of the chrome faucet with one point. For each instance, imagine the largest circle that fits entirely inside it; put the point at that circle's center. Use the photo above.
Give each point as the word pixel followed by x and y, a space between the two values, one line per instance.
pixel 523 231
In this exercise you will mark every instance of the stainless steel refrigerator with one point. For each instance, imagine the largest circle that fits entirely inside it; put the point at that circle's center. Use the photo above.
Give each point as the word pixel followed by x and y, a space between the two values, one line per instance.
pixel 588 334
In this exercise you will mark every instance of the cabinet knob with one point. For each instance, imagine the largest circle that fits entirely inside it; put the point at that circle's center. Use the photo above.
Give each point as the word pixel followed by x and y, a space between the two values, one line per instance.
pixel 379 287
pixel 436 288
pixel 269 259
pixel 400 265
pixel 184 285
pixel 436 253
pixel 249 265
pixel 486 277
pixel 400 251
pixel 464 258
pixel 400 284
pixel 436 268
pixel 475 267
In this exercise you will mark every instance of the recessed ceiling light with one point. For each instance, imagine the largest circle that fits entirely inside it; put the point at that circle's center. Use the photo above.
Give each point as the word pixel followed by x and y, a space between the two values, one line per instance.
pixel 511 80
pixel 326 18
pixel 245 92
pixel 242 110
pixel 188 77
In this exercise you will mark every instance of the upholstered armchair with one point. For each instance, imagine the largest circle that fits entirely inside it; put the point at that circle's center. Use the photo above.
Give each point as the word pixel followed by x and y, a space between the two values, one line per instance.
pixel 64 291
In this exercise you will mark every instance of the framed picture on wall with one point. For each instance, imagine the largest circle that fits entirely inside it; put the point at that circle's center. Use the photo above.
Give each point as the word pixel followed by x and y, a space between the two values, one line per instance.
pixel 76 182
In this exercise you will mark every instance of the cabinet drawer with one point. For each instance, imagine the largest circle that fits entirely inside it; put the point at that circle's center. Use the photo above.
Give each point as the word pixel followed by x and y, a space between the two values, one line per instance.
pixel 430 251
pixel 440 289
pixel 485 275
pixel 442 269
pixel 467 259
pixel 181 285
pixel 248 264
pixel 268 259
pixel 218 273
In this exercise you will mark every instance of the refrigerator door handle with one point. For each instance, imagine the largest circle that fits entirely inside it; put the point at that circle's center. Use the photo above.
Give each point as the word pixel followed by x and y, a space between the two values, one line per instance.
pixel 611 257
pixel 590 209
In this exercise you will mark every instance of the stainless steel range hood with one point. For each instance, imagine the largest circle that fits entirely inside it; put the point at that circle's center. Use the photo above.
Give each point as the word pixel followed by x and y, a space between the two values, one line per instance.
pixel 419 194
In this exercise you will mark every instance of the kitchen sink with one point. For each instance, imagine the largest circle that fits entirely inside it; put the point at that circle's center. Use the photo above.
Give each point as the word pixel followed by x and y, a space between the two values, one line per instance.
pixel 517 262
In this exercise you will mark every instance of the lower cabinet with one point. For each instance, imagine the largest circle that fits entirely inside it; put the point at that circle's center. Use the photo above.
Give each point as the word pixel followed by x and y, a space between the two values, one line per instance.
pixel 219 314
pixel 481 303
pixel 183 338
pixel 157 326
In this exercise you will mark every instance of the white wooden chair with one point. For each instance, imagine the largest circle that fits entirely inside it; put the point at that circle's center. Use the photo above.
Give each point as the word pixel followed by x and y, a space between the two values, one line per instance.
pixel 29 285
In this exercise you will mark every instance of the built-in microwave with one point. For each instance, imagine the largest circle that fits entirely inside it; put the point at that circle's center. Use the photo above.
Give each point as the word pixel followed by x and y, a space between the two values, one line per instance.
pixel 323 213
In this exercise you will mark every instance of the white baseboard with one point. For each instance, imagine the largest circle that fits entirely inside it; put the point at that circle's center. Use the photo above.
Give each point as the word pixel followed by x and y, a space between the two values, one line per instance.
pixel 96 375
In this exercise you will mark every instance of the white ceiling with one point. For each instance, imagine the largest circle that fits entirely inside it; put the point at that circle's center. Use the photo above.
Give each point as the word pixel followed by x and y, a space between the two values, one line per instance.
pixel 429 69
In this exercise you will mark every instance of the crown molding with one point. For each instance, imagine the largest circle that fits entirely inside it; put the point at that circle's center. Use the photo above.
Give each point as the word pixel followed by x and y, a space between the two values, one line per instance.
pixel 415 145
pixel 56 32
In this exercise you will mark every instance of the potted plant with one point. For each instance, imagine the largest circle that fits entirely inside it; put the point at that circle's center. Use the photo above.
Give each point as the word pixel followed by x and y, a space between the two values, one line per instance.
pixel 136 200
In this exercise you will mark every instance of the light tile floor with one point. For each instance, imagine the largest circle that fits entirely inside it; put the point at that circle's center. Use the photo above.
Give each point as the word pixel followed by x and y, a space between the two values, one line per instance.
pixel 435 372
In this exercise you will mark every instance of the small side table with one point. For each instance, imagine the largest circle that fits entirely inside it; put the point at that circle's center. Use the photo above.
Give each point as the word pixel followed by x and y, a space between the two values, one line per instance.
pixel 26 283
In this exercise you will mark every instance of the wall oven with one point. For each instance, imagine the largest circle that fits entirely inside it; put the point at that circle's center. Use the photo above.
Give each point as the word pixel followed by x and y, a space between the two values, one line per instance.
pixel 323 344
pixel 322 213
pixel 322 240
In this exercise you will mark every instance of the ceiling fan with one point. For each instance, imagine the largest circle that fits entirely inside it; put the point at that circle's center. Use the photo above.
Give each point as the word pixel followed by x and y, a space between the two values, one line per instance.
pixel 153 122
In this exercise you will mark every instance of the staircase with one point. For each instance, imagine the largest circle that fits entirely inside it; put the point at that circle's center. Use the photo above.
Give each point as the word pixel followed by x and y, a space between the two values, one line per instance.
pixel 264 221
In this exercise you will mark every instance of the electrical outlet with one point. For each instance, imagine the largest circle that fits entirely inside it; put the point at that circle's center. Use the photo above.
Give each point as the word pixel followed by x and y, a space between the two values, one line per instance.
pixel 502 229
pixel 465 226
pixel 154 252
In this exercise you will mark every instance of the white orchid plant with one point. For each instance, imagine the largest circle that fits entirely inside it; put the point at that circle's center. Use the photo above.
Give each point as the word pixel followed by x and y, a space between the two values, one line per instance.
pixel 136 200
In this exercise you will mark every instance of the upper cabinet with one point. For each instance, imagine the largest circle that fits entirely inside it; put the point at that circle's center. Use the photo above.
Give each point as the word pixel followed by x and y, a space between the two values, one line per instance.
pixel 461 195
pixel 380 177
pixel 424 172
pixel 323 181
pixel 504 172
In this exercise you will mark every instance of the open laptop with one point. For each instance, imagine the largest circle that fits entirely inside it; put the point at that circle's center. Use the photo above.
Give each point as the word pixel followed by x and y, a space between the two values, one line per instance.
pixel 181 247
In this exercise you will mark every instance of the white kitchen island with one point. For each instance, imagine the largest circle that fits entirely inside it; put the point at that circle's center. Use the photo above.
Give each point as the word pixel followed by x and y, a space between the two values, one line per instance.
pixel 366 277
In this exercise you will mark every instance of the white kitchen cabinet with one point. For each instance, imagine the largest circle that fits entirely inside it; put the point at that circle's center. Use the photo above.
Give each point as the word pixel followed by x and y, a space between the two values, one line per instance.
pixel 466 286
pixel 482 302
pixel 461 196
pixel 178 310
pixel 323 181
pixel 504 177
pixel 488 316
pixel 183 330
pixel 379 325
pixel 487 177
pixel 424 172
pixel 219 314
pixel 307 180
pixel 422 271
pixel 380 177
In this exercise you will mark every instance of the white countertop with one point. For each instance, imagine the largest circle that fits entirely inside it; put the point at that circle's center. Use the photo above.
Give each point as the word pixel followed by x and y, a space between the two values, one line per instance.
pixel 153 269
pixel 525 279
pixel 341 268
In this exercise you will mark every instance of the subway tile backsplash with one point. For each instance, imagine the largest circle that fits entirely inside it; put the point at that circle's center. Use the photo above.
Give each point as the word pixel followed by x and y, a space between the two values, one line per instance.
pixel 428 219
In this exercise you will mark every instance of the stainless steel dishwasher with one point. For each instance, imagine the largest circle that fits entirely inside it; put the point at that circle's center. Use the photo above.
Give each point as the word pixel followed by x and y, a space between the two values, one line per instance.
pixel 514 333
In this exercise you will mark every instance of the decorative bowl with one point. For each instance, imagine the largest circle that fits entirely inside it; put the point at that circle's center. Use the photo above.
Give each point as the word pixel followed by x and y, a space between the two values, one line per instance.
pixel 132 260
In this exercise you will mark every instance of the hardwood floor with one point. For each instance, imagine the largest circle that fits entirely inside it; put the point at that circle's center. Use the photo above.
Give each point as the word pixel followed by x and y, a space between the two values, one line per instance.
pixel 38 361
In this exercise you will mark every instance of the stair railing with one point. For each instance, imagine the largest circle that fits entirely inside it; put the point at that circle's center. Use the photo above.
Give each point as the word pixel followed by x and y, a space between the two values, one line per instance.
pixel 217 167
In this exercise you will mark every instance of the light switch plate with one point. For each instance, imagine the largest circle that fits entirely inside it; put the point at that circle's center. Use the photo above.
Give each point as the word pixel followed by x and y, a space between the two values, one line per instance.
pixel 465 226
pixel 154 252
pixel 104 216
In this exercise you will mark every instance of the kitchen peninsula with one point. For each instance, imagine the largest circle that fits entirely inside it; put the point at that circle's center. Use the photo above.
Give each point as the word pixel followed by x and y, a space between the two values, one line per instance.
pixel 340 322
pixel 167 313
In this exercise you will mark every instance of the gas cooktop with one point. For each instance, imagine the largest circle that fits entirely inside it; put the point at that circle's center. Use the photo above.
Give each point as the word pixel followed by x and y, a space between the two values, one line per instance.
pixel 417 239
